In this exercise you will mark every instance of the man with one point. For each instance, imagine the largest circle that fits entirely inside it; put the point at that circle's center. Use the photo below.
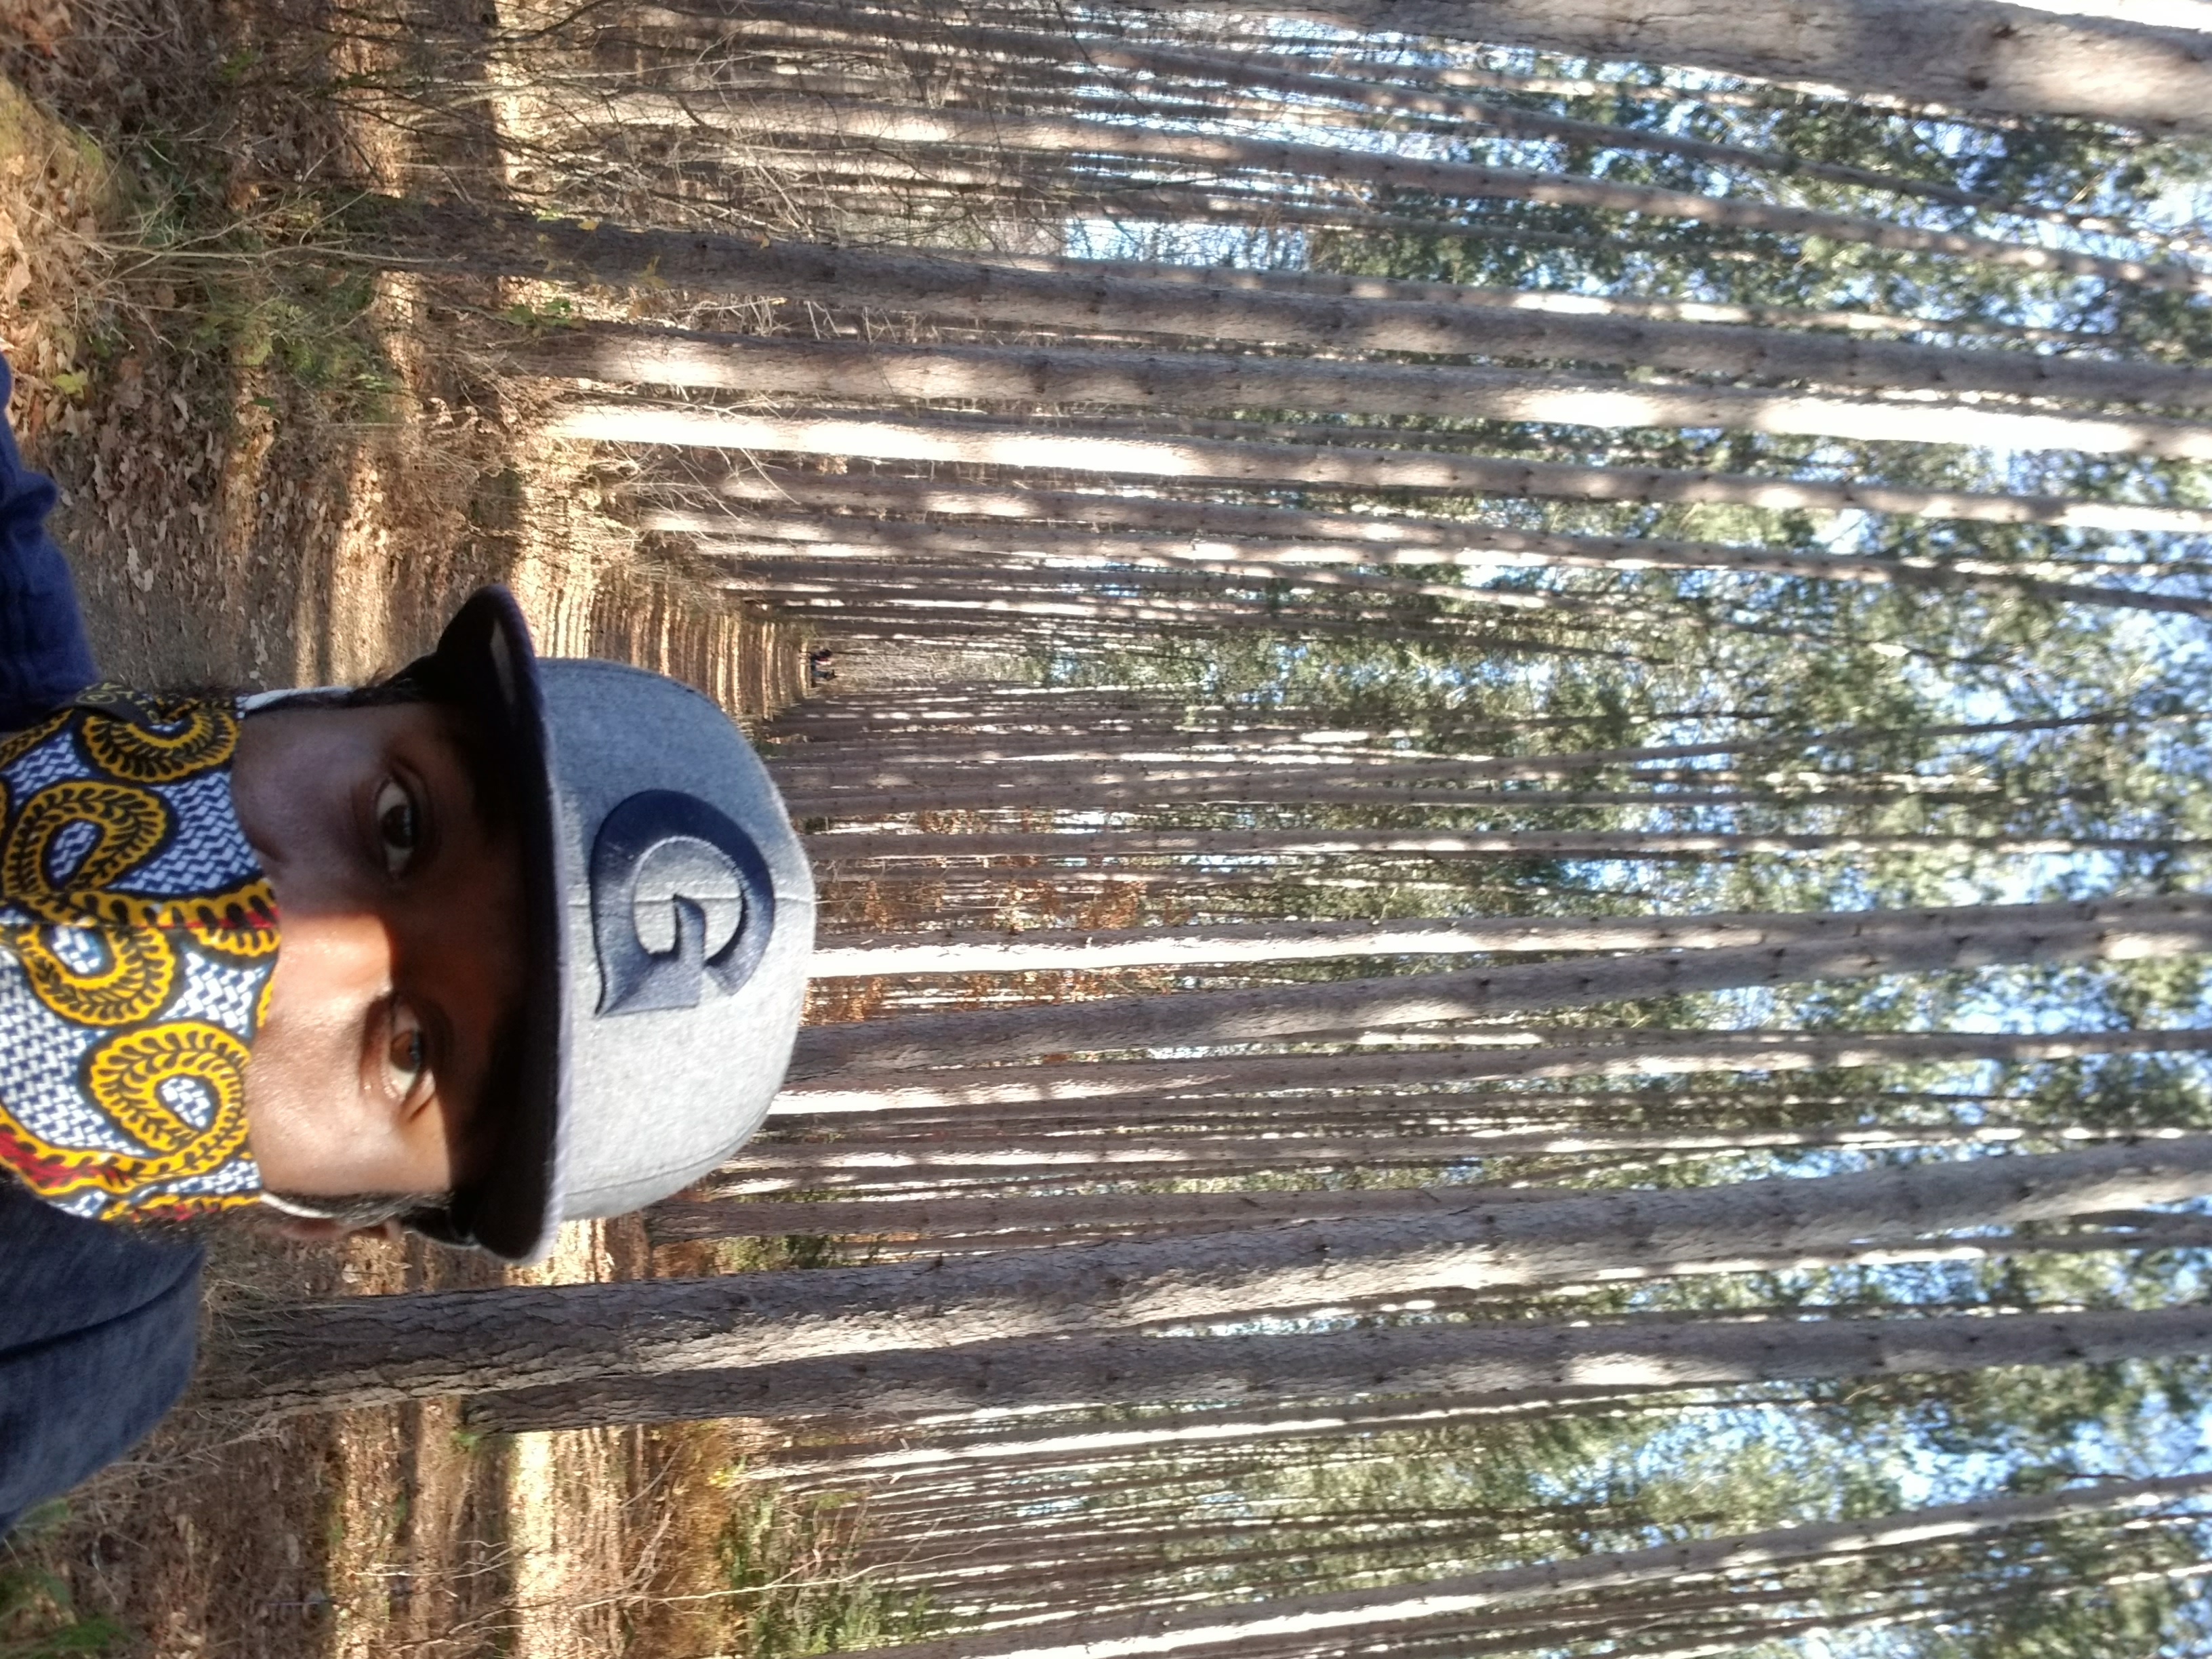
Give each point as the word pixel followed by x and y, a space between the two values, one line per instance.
pixel 491 945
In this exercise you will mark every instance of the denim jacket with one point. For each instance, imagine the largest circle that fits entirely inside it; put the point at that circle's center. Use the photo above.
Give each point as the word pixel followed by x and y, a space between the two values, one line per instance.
pixel 98 1325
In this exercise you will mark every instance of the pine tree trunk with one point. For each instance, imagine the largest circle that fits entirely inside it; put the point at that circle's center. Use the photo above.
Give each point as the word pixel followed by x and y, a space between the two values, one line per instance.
pixel 860 804
pixel 1345 537
pixel 954 440
pixel 2126 929
pixel 1296 78
pixel 368 1351
pixel 774 555
pixel 996 1220
pixel 1091 950
pixel 1975 55
pixel 931 1157
pixel 1197 381
pixel 1538 1052
pixel 837 574
pixel 1094 296
pixel 679 1220
pixel 958 1456
pixel 861 847
pixel 881 127
pixel 843 574
pixel 1402 769
pixel 1404 1611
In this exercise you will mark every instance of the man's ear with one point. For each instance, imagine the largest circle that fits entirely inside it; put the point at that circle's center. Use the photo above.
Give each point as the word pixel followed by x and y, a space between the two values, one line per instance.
pixel 310 1230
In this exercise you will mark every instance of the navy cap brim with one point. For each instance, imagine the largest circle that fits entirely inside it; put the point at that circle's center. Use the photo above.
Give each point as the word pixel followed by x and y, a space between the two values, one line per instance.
pixel 485 663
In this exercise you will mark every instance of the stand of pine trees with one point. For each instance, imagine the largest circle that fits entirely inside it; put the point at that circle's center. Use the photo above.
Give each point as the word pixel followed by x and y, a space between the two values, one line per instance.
pixel 1509 796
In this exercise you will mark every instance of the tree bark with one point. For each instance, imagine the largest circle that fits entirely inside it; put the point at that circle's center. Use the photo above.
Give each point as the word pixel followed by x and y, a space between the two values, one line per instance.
pixel 976 442
pixel 863 847
pixel 980 1221
pixel 840 955
pixel 1389 1616
pixel 1102 764
pixel 877 126
pixel 1539 1053
pixel 1344 538
pixel 1496 1363
pixel 368 1350
pixel 775 555
pixel 1975 55
pixel 2125 929
pixel 1411 769
pixel 1093 296
pixel 957 1456
pixel 842 575
pixel 1297 78
pixel 932 1154
pixel 1197 381
pixel 679 1220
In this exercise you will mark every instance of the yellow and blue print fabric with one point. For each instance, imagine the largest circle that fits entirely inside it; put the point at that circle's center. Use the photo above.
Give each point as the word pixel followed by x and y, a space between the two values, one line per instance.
pixel 137 945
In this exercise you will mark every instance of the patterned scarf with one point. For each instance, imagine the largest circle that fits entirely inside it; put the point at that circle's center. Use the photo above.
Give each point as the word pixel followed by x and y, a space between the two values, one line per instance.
pixel 137 945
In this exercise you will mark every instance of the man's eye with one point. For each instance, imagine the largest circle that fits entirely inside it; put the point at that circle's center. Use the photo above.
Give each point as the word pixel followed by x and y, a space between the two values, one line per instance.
pixel 408 1052
pixel 398 826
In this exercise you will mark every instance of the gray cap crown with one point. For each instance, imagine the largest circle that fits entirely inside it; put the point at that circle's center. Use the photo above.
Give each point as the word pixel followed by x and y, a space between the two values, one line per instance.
pixel 687 922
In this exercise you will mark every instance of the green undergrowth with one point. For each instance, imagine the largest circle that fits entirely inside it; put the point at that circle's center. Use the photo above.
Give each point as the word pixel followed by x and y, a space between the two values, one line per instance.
pixel 790 1564
pixel 170 244
pixel 754 1255
pixel 37 1618
pixel 263 282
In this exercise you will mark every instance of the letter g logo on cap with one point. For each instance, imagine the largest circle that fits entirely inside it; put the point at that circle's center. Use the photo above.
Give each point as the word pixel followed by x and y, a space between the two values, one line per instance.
pixel 682 905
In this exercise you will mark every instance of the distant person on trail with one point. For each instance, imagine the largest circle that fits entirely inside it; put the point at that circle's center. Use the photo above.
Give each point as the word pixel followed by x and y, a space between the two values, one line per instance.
pixel 489 944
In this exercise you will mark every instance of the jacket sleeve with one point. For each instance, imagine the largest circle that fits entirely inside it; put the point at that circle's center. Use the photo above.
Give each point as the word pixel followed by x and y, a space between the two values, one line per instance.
pixel 97 1333
pixel 45 658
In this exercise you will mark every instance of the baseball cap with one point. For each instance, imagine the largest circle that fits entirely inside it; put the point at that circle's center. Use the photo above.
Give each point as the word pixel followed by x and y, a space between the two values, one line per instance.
pixel 671 918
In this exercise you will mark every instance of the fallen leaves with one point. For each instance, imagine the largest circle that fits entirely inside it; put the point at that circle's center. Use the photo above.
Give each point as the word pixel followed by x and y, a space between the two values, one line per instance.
pixel 55 286
pixel 39 24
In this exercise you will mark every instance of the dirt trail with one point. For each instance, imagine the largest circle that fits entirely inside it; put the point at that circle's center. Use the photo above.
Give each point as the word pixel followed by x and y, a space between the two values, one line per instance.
pixel 237 514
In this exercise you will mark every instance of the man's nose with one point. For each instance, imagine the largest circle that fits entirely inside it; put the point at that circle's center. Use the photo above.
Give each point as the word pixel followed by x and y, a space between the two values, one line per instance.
pixel 334 954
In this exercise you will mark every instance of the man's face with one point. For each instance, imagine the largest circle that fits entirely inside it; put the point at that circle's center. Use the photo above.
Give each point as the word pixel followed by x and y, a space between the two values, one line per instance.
pixel 401 966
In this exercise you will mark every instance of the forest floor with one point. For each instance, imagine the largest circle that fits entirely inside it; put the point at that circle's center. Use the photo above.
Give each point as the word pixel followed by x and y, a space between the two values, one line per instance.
pixel 277 472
